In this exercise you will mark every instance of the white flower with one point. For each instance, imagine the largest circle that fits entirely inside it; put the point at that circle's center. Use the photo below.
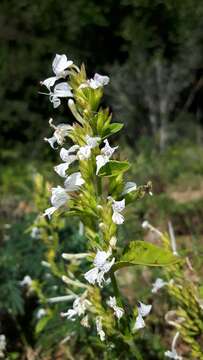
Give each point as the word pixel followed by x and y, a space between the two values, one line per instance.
pixel 101 267
pixel 117 207
pixel 68 156
pixel 84 152
pixel 61 90
pixel 59 65
pixel 106 152
pixel 2 345
pixel 27 281
pixel 40 313
pixel 143 310
pixel 73 182
pixel 80 305
pixel 158 284
pixel 100 331
pixel 59 198
pixel 129 186
pixel 145 224
pixel 173 353
pixel 35 233
pixel 96 82
pixel 61 131
pixel 118 311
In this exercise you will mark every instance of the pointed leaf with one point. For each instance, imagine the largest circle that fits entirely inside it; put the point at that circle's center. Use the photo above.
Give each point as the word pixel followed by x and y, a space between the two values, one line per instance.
pixel 114 168
pixel 147 254
pixel 112 129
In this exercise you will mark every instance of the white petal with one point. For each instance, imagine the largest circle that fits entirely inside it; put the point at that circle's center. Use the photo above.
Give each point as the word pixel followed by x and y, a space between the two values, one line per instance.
pixel 108 265
pixel 100 331
pixel 62 90
pixel 91 275
pixel 102 79
pixel 173 355
pixel 51 141
pixel 55 101
pixel 84 153
pixel 118 312
pixel 118 218
pixel 111 302
pixel 143 309
pixel 67 155
pixel 129 186
pixel 48 212
pixel 60 63
pixel 61 169
pixel 59 196
pixel 101 160
pixel 92 141
pixel 158 284
pixel 107 150
pixel 101 258
pixel 74 181
pixel 49 82
pixel 139 323
pixel 118 206
pixel 145 224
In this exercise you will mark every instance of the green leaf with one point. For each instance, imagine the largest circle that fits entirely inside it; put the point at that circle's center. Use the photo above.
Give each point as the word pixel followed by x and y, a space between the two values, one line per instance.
pixel 41 324
pixel 114 168
pixel 201 291
pixel 112 129
pixel 147 254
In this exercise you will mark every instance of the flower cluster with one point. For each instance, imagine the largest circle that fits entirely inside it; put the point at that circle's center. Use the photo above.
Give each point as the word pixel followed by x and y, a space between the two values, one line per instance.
pixel 93 186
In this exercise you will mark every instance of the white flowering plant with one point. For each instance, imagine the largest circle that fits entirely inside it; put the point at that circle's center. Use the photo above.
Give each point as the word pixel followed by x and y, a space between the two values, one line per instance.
pixel 93 189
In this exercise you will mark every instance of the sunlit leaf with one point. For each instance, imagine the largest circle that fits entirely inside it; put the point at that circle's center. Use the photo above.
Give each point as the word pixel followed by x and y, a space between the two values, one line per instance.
pixel 144 253
pixel 114 168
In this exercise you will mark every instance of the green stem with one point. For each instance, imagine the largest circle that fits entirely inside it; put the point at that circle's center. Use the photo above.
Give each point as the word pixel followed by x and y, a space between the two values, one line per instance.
pixel 115 288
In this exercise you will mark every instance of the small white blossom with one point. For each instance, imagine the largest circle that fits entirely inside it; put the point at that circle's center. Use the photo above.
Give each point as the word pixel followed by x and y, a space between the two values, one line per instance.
pixel 59 198
pixel 27 281
pixel 59 65
pixel 61 90
pixel 40 313
pixel 129 186
pixel 101 267
pixel 100 330
pixel 158 284
pixel 118 311
pixel 143 310
pixel 84 152
pixel 73 182
pixel 145 224
pixel 173 353
pixel 2 345
pixel 97 81
pixel 80 305
pixel 68 156
pixel 61 131
pixel 106 153
pixel 117 207
pixel 35 233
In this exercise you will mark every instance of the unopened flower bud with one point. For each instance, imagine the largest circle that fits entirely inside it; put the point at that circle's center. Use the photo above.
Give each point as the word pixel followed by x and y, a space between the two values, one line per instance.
pixel 145 224
pixel 113 241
